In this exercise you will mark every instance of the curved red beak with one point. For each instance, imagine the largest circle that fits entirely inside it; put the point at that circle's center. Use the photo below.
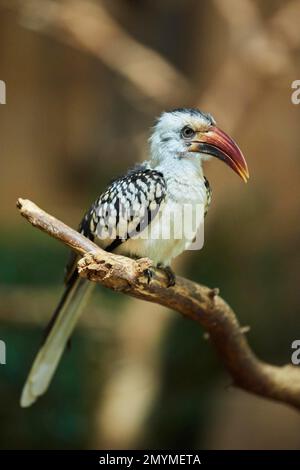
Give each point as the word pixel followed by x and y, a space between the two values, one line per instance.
pixel 217 143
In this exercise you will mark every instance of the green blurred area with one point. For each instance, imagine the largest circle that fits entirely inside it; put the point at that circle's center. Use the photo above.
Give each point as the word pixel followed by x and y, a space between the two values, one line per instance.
pixel 58 422
pixel 137 375
pixel 24 252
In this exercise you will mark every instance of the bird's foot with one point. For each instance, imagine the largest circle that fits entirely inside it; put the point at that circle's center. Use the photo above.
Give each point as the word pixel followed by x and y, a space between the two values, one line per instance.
pixel 171 278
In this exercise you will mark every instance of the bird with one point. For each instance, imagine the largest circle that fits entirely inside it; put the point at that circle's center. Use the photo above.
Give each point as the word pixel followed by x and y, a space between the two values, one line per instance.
pixel 180 142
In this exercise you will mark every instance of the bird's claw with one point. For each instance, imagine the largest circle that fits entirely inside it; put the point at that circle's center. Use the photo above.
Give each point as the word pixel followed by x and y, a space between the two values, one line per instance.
pixel 171 278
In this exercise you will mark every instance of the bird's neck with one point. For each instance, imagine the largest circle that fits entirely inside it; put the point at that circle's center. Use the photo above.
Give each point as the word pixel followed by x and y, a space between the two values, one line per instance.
pixel 187 168
pixel 184 178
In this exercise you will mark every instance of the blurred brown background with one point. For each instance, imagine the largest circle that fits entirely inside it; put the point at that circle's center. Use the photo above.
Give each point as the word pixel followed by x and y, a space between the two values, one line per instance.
pixel 85 80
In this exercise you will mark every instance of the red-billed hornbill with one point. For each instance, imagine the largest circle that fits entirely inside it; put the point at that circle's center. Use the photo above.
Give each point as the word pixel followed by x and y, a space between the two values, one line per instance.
pixel 172 177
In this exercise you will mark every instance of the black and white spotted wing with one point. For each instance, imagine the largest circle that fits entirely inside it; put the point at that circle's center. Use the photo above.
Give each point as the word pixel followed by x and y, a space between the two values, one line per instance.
pixel 127 207
pixel 124 210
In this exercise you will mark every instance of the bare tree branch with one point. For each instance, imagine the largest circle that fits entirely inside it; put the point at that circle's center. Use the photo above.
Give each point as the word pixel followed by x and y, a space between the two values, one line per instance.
pixel 199 303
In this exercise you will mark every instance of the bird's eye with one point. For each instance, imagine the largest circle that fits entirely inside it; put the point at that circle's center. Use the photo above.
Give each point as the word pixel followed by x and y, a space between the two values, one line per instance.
pixel 187 132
